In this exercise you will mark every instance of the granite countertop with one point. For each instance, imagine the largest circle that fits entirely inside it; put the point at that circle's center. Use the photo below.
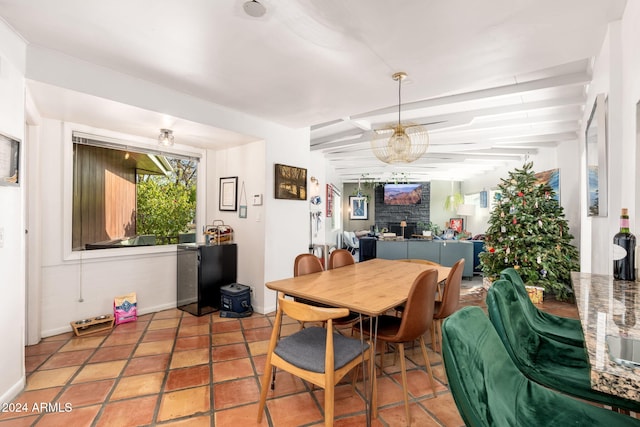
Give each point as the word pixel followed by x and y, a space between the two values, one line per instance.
pixel 609 313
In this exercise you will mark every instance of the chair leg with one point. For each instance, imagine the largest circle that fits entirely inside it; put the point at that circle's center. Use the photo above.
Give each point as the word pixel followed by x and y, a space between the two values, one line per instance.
pixel 403 368
pixel 434 344
pixel 329 396
pixel 374 388
pixel 428 365
pixel 263 391
pixel 436 335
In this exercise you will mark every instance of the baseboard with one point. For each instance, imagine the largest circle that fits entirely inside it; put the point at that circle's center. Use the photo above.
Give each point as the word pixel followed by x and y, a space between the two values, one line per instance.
pixel 13 391
pixel 68 328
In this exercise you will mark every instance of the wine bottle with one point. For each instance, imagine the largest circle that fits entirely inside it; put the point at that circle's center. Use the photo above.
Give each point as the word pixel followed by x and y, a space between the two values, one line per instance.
pixel 624 248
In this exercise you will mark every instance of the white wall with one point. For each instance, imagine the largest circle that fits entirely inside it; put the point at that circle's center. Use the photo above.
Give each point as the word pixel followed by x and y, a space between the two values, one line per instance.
pixel 83 284
pixel 248 164
pixel 615 74
pixel 12 202
pixel 266 243
pixel 286 221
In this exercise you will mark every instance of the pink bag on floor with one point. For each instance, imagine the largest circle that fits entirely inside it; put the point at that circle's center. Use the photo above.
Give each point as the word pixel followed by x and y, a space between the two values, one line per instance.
pixel 125 308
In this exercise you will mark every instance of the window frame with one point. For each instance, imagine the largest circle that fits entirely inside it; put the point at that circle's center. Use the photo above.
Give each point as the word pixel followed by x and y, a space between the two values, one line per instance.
pixel 125 141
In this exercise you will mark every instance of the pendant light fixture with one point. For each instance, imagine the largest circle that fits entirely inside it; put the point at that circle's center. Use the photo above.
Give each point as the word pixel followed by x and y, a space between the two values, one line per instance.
pixel 166 137
pixel 401 142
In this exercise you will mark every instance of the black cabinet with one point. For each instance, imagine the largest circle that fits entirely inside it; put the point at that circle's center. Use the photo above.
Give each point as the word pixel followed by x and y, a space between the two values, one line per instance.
pixel 367 248
pixel 202 271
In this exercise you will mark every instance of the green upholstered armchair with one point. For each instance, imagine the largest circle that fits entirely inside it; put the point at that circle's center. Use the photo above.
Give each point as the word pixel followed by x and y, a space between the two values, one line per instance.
pixel 555 327
pixel 489 390
pixel 552 363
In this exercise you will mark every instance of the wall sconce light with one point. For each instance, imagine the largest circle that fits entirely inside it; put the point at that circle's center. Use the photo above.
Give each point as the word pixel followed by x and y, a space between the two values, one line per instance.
pixel 314 180
pixel 166 137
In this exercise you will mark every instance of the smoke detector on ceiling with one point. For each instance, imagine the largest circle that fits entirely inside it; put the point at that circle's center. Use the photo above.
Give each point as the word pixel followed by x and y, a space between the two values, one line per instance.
pixel 255 9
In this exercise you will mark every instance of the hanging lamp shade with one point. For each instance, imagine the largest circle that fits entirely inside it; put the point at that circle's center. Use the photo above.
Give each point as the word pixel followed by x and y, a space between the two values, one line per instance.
pixel 400 142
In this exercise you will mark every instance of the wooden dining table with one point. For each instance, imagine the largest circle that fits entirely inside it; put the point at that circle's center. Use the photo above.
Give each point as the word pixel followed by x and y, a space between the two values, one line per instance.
pixel 369 288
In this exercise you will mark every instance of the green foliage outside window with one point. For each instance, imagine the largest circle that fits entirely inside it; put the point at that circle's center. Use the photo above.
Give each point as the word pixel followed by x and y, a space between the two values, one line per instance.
pixel 166 205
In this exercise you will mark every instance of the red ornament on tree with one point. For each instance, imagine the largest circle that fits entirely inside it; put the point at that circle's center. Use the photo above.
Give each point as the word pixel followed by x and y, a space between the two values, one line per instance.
pixel 520 193
pixel 514 220
pixel 492 250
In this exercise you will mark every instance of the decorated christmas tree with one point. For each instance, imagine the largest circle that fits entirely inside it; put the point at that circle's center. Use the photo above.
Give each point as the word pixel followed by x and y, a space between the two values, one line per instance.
pixel 528 231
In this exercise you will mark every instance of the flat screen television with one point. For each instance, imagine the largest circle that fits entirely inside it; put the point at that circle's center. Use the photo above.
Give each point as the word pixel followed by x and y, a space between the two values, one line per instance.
pixel 402 194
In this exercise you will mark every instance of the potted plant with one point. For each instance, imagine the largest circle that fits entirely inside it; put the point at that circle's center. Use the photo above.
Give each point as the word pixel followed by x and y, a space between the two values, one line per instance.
pixel 428 228
pixel 424 228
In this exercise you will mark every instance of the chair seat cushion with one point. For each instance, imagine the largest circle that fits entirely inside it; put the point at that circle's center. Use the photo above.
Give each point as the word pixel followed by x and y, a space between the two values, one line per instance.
pixel 306 349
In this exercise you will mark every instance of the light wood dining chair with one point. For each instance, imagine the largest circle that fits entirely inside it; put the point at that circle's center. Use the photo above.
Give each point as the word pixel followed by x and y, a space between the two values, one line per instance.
pixel 415 322
pixel 448 304
pixel 314 354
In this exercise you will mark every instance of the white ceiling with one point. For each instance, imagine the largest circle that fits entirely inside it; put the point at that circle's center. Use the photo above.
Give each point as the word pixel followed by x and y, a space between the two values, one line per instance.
pixel 503 78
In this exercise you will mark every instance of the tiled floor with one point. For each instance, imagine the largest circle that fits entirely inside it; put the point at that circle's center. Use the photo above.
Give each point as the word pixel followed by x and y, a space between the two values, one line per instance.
pixel 174 369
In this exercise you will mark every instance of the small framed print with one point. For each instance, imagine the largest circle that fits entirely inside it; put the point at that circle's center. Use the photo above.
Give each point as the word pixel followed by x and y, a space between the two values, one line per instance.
pixel 229 193
pixel 9 160
pixel 358 207
pixel 456 224
pixel 242 213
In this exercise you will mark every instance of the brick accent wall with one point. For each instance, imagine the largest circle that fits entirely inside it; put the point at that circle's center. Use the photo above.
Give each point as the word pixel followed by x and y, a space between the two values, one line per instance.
pixel 388 216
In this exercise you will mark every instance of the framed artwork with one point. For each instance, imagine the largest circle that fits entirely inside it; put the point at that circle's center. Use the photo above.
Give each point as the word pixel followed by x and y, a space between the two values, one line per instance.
pixel 229 193
pixel 9 160
pixel 552 179
pixel 596 156
pixel 456 224
pixel 358 208
pixel 484 199
pixel 290 182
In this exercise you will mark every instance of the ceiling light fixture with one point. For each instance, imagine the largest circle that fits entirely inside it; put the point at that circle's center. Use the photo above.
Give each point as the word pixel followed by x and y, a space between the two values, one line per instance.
pixel 408 141
pixel 166 137
pixel 255 9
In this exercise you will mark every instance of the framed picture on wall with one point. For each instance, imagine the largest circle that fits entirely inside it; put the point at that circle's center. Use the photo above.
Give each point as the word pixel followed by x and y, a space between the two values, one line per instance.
pixel 229 193
pixel 358 208
pixel 596 157
pixel 9 160
pixel 552 179
pixel 455 224
pixel 290 182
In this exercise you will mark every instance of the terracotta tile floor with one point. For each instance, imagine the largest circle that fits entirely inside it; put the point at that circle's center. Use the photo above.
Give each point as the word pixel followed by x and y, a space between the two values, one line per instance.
pixel 171 368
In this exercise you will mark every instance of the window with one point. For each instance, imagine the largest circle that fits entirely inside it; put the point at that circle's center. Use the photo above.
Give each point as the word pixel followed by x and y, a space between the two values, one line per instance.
pixel 127 196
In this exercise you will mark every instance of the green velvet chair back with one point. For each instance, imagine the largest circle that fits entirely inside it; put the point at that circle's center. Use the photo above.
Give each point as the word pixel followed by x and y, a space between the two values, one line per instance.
pixel 556 327
pixel 489 390
pixel 552 363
